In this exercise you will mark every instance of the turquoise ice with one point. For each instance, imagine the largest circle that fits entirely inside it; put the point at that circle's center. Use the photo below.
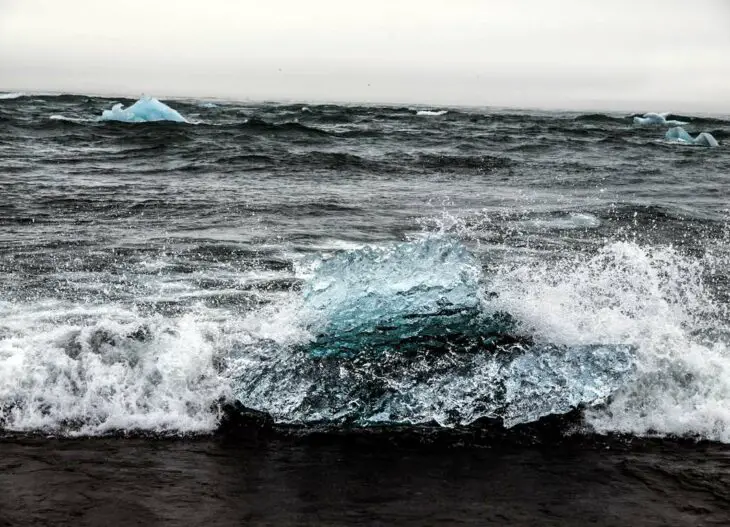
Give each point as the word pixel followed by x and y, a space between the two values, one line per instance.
pixel 147 109
pixel 680 135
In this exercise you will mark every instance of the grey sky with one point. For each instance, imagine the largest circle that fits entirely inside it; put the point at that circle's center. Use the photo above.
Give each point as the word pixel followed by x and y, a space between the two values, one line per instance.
pixel 623 54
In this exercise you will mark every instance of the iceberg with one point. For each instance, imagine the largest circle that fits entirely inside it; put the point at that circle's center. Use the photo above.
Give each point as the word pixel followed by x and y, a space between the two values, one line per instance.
pixel 706 139
pixel 383 297
pixel 147 109
pixel 680 135
pixel 656 119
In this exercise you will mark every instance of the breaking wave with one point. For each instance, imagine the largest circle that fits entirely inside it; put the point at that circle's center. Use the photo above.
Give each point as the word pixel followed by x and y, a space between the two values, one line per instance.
pixel 431 112
pixel 74 369
pixel 411 333
pixel 657 119
pixel 369 344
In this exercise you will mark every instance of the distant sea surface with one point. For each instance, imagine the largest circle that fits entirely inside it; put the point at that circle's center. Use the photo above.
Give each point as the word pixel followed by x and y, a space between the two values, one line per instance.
pixel 339 314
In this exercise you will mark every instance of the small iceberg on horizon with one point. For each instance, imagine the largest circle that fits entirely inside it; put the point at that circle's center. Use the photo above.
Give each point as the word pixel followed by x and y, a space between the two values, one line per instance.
pixel 680 135
pixel 656 119
pixel 147 109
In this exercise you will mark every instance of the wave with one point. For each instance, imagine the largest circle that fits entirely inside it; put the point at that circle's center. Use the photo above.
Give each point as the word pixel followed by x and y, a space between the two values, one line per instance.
pixel 657 119
pixel 75 120
pixel 258 124
pixel 447 161
pixel 573 220
pixel 412 333
pixel 8 96
pixel 82 370
pixel 407 334
pixel 601 118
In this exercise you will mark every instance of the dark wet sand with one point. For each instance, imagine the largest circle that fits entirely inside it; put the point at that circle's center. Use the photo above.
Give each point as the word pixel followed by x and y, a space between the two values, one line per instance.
pixel 292 482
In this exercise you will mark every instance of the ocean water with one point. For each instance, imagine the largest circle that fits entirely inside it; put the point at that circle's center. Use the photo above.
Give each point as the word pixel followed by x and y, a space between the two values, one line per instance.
pixel 364 270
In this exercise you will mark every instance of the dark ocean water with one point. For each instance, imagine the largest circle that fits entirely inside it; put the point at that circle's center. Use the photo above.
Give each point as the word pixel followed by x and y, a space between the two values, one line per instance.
pixel 414 298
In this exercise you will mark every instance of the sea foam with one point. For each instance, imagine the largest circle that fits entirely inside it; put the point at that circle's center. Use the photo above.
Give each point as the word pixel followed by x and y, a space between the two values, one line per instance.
pixel 431 112
pixel 657 119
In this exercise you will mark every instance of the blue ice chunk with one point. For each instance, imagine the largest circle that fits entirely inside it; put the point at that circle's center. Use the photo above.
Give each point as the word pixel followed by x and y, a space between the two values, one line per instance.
pixel 146 109
pixel 706 139
pixel 680 135
pixel 406 287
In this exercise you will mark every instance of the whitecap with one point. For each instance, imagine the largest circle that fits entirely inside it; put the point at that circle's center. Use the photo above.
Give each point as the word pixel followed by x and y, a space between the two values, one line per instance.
pixel 574 220
pixel 656 119
pixel 70 119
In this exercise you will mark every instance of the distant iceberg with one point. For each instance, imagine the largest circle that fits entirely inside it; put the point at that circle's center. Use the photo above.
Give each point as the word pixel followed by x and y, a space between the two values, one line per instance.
pixel 680 135
pixel 146 109
pixel 15 95
pixel 657 119
pixel 431 112
pixel 207 105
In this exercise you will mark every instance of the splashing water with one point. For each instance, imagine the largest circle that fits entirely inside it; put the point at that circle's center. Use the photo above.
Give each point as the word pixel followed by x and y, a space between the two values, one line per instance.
pixel 373 317
pixel 92 370
pixel 632 332
pixel 653 299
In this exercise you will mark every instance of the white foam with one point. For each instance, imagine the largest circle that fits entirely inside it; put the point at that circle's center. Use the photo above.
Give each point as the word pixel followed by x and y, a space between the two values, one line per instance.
pixel 574 220
pixel 15 95
pixel 70 119
pixel 77 369
pixel 652 298
pixel 657 119
pixel 432 112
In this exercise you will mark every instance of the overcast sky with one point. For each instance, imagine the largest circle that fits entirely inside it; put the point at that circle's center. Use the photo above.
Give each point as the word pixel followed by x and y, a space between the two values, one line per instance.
pixel 658 55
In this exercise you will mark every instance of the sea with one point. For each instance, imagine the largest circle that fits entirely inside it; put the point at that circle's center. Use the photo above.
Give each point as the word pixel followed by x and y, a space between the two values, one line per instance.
pixel 347 314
